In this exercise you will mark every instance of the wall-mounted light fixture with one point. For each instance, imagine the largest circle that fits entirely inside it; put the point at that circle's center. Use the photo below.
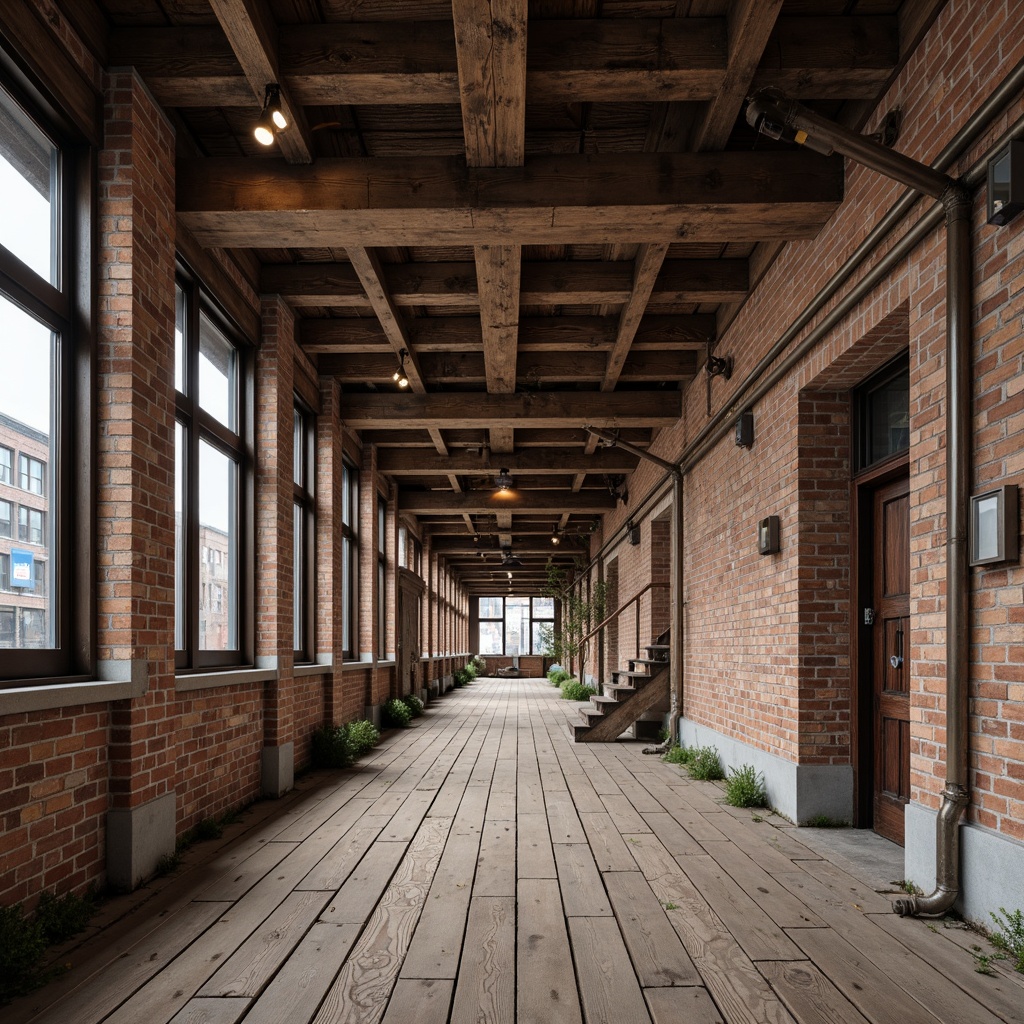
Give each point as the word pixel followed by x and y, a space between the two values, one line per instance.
pixel 768 536
pixel 617 487
pixel 994 530
pixel 1006 184
pixel 399 376
pixel 633 533
pixel 272 119
pixel 719 366
pixel 745 429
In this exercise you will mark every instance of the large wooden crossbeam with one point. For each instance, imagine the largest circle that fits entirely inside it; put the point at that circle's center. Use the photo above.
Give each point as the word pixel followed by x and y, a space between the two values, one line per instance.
pixel 402 462
pixel 550 200
pixel 580 60
pixel 541 409
pixel 684 333
pixel 416 502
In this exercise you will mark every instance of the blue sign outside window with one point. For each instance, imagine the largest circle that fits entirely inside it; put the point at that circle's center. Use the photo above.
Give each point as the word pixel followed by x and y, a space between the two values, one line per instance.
pixel 23 569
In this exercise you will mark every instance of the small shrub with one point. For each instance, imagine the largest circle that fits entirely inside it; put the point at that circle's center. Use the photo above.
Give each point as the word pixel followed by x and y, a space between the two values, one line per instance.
pixel 461 677
pixel 332 747
pixel 362 736
pixel 745 787
pixel 22 944
pixel 414 704
pixel 1010 937
pixel 471 669
pixel 169 862
pixel 208 828
pixel 480 664
pixel 60 917
pixel 677 755
pixel 573 689
pixel 559 676
pixel 395 714
pixel 705 765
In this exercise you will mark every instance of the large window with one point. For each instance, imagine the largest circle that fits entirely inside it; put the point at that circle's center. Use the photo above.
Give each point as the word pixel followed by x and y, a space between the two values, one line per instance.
pixel 211 479
pixel 515 625
pixel 349 558
pixel 304 524
pixel 42 627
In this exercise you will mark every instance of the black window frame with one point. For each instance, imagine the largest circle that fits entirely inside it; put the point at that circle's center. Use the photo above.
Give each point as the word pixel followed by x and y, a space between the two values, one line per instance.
pixel 201 426
pixel 66 309
pixel 861 397
pixel 382 575
pixel 350 559
pixel 26 477
pixel 304 546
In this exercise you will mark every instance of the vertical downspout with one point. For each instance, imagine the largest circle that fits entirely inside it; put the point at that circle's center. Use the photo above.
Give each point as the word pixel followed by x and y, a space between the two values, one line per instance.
pixel 768 110
pixel 955 797
pixel 676 641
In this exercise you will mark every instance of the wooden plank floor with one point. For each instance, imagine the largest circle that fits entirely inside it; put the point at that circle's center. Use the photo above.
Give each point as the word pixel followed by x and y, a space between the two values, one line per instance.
pixel 480 868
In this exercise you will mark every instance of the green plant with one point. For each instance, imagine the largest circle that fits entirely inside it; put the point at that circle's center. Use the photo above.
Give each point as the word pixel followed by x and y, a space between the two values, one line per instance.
pixel 906 885
pixel 332 747
pixel 704 764
pixel 824 821
pixel 362 736
pixel 60 917
pixel 472 669
pixel 208 828
pixel 671 906
pixel 169 862
pixel 461 677
pixel 756 818
pixel 396 714
pixel 479 664
pixel 582 608
pixel 745 787
pixel 414 704
pixel 1010 937
pixel 22 944
pixel 573 689
pixel 558 676
pixel 677 755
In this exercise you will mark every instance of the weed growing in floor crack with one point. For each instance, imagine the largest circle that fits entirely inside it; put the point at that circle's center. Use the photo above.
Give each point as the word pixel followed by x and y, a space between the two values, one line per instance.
pixel 704 764
pixel 671 906
pixel 677 755
pixel 1009 940
pixel 824 821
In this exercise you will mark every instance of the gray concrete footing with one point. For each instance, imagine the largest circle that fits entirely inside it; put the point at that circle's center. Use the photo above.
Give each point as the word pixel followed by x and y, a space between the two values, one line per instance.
pixel 137 839
pixel 278 770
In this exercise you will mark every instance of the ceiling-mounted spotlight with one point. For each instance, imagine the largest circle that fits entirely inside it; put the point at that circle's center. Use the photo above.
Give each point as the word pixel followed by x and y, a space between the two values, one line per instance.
pixel 503 481
pixel 719 366
pixel 272 119
pixel 399 376
pixel 508 560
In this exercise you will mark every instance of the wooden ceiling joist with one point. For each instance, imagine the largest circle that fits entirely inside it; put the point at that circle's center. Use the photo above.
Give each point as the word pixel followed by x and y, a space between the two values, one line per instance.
pixel 515 501
pixel 572 61
pixel 551 200
pixel 396 462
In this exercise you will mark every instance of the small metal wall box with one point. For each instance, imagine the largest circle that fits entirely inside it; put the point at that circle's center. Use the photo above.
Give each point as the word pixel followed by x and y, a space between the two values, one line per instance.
pixel 1006 184
pixel 633 534
pixel 745 429
pixel 995 533
pixel 768 535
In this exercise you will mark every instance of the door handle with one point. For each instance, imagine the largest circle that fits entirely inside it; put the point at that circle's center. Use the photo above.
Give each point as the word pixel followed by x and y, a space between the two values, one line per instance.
pixel 897 659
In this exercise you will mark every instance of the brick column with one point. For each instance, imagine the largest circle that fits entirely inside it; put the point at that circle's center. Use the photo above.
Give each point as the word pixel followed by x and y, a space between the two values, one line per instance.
pixel 275 581
pixel 330 595
pixel 135 472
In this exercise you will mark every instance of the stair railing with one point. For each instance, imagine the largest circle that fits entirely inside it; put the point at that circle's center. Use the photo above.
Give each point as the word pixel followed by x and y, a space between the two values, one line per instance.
pixel 634 601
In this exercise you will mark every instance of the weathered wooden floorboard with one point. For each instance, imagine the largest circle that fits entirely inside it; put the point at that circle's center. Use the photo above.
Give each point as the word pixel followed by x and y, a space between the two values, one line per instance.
pixel 582 890
pixel 535 858
pixel 609 990
pixel 545 982
pixel 496 866
pixel 676 1005
pixel 211 1011
pixel 485 989
pixel 419 1001
pixel 607 845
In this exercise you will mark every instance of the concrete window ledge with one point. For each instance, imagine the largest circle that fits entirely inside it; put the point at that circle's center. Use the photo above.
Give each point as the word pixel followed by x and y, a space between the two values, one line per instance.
pixel 232 677
pixel 302 671
pixel 20 700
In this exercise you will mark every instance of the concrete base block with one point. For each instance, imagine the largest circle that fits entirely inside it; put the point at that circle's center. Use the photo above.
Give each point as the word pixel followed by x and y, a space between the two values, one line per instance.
pixel 278 770
pixel 434 688
pixel 991 865
pixel 372 714
pixel 800 792
pixel 137 839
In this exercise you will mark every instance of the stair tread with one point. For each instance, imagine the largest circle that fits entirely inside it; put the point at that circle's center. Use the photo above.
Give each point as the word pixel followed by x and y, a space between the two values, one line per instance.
pixel 657 647
pixel 649 661
pixel 630 674
pixel 604 700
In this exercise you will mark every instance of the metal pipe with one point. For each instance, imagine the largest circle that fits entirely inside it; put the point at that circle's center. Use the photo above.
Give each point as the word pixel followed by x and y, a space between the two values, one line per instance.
pixel 614 440
pixel 955 796
pixel 676 639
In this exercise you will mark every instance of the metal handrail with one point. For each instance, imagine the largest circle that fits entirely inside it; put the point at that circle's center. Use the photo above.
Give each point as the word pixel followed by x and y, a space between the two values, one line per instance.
pixel 635 599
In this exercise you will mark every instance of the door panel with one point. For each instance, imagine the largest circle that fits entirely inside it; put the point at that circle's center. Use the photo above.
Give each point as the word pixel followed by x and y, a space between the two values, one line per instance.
pixel 890 658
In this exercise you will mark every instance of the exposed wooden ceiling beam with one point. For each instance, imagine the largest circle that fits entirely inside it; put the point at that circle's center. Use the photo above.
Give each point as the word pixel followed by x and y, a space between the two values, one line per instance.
pixel 555 283
pixel 686 333
pixel 531 367
pixel 250 29
pixel 551 200
pixel 581 60
pixel 539 409
pixel 516 501
pixel 398 462
pixel 526 437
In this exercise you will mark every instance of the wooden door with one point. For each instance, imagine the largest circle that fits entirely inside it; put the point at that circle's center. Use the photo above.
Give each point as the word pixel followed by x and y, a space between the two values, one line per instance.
pixel 891 658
